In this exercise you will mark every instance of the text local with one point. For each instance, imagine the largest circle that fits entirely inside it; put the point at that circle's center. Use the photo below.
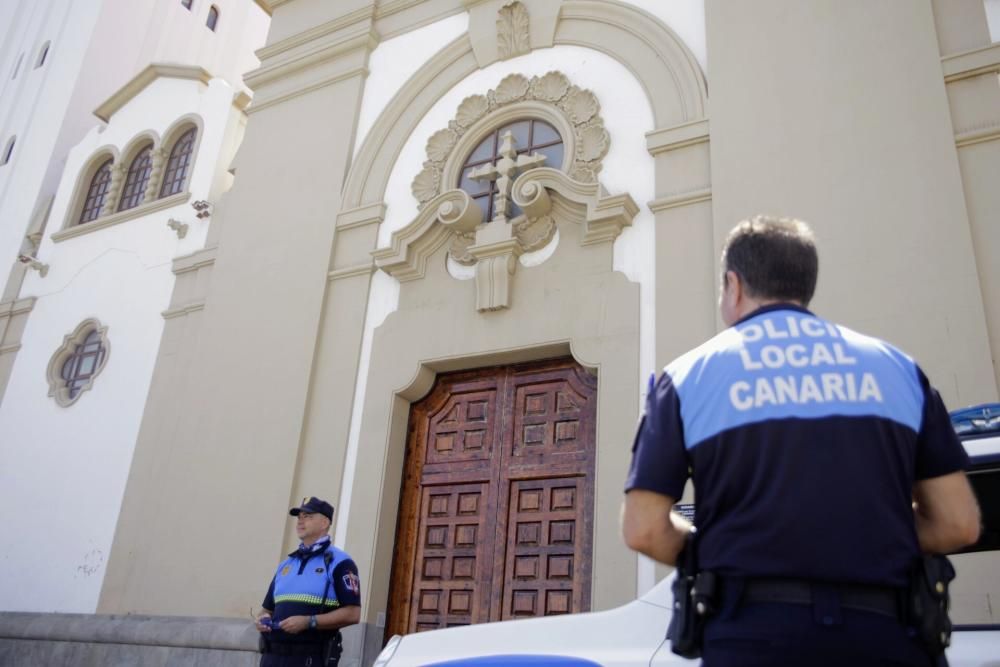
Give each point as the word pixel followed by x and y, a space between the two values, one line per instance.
pixel 821 387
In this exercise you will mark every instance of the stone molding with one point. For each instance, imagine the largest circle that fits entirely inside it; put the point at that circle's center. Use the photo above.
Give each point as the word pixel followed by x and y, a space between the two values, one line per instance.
pixel 373 214
pixel 139 82
pixel 680 199
pixel 665 68
pixel 57 386
pixel 667 139
pixel 495 247
pixel 181 311
pixel 366 38
pixel 968 64
pixel 194 261
pixel 990 132
pixel 121 216
pixel 575 111
pixel 406 257
pixel 352 271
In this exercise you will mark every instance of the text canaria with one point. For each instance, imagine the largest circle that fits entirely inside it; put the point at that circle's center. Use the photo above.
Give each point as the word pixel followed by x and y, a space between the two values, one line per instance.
pixel 821 388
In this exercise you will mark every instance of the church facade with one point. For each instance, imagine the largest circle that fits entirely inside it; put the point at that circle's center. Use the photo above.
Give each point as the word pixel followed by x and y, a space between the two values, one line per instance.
pixel 461 235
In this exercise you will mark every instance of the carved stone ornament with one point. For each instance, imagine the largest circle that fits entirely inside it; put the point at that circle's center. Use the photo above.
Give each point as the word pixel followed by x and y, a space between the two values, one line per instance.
pixel 513 30
pixel 450 216
pixel 578 106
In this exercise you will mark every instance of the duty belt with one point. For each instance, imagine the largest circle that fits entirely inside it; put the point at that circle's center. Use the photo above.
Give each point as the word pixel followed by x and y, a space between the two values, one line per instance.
pixel 874 599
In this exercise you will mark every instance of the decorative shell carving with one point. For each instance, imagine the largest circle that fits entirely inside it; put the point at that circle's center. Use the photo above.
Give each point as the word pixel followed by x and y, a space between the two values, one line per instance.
pixel 551 87
pixel 513 31
pixel 594 142
pixel 512 88
pixel 534 233
pixel 471 109
pixel 425 185
pixel 440 144
pixel 459 249
pixel 581 105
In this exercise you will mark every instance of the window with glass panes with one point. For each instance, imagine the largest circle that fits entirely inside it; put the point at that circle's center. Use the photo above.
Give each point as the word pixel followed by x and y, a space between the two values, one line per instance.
pixel 177 164
pixel 530 136
pixel 96 193
pixel 83 363
pixel 137 179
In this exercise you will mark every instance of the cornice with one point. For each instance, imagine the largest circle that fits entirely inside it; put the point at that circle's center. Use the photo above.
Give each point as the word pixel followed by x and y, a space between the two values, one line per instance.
pixel 978 135
pixel 196 260
pixel 181 311
pixel 362 39
pixel 268 102
pixel 322 30
pixel 973 63
pixel 351 271
pixel 362 216
pixel 679 136
pixel 121 216
pixel 139 82
pixel 680 199
pixel 266 5
pixel 19 307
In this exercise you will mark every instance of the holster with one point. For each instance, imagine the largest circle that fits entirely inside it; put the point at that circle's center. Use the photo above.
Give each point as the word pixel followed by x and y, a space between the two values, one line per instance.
pixel 695 595
pixel 332 650
pixel 928 602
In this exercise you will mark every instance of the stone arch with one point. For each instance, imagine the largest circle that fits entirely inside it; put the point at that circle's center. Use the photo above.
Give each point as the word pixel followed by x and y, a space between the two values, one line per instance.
pixel 639 40
pixel 83 178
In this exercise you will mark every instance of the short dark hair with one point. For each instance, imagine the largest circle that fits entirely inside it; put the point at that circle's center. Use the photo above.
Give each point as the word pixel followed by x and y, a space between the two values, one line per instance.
pixel 775 258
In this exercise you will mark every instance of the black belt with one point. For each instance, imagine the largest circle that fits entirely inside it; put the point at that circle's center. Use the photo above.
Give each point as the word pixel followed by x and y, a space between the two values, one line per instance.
pixel 279 648
pixel 875 599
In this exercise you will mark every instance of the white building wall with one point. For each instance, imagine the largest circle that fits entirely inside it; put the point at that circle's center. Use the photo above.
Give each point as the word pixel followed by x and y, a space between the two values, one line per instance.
pixel 97 47
pixel 66 468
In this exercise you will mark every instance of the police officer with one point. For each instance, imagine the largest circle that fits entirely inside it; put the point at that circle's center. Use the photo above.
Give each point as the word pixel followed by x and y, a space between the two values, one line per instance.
pixel 823 464
pixel 314 592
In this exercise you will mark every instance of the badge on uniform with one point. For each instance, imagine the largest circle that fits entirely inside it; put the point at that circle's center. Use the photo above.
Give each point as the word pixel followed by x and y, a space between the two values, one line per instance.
pixel 319 570
pixel 353 583
pixel 285 570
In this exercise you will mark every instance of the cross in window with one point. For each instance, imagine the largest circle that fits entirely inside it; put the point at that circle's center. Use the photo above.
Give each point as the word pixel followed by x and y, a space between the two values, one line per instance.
pixel 504 172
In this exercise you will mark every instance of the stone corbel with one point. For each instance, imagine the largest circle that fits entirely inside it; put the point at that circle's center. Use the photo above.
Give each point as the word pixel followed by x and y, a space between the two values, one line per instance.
pixel 605 217
pixel 495 252
pixel 451 212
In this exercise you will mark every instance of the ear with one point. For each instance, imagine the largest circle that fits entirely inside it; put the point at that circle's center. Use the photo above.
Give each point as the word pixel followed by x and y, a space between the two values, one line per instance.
pixel 733 289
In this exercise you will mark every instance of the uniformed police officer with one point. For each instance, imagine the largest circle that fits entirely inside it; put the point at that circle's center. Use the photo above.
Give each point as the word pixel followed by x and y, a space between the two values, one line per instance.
pixel 823 464
pixel 314 592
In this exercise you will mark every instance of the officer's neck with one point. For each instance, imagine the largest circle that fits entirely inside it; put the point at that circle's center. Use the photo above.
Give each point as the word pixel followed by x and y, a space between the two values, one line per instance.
pixel 309 541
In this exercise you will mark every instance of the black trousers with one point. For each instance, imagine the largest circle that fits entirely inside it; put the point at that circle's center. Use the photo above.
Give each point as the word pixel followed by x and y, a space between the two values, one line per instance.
pixel 275 660
pixel 821 634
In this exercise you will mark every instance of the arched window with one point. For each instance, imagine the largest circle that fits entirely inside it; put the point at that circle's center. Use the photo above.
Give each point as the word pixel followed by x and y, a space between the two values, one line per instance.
pixel 82 365
pixel 8 150
pixel 42 54
pixel 137 179
pixel 17 67
pixel 96 193
pixel 176 171
pixel 186 4
pixel 213 18
pixel 529 136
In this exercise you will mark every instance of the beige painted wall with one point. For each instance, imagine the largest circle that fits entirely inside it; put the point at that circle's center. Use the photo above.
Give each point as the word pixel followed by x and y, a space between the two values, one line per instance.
pixel 214 466
pixel 839 117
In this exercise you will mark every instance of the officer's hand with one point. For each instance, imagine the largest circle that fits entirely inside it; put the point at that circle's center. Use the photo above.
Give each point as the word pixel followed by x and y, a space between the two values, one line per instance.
pixel 263 628
pixel 293 625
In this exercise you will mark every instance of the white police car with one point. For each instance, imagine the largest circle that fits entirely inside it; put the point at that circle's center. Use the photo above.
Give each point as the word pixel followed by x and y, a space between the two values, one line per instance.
pixel 633 634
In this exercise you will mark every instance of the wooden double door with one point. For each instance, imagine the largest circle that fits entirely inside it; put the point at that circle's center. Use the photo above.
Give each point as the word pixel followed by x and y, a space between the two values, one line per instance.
pixel 496 515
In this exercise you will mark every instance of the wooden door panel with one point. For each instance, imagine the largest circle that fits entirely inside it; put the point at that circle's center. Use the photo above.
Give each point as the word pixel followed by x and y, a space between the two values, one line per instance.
pixel 463 429
pixel 547 567
pixel 451 558
pixel 496 508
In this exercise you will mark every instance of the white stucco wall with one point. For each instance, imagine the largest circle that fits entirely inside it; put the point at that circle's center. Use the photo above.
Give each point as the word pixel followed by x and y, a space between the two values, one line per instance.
pixel 628 167
pixel 70 465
